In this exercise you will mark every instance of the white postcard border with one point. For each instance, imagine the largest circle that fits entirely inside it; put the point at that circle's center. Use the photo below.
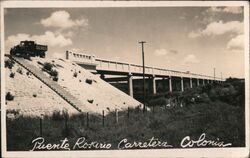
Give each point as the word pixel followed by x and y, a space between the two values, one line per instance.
pixel 195 152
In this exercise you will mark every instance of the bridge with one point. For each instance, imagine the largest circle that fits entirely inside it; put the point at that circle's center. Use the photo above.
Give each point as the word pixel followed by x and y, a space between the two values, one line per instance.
pixel 127 72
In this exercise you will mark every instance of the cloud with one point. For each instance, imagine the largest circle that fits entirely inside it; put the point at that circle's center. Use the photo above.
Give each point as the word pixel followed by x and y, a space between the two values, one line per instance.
pixel 53 40
pixel 58 55
pixel 191 59
pixel 173 51
pixel 236 43
pixel 219 28
pixel 194 34
pixel 163 52
pixel 233 10
pixel 48 38
pixel 182 17
pixel 160 52
pixel 61 19
pixel 14 40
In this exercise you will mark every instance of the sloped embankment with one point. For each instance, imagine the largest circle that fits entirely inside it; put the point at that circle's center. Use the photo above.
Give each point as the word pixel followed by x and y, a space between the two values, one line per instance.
pixel 30 96
pixel 33 97
pixel 95 94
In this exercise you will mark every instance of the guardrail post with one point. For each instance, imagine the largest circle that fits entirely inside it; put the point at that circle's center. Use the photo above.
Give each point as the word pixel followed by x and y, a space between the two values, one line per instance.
pixel 100 64
pixel 129 69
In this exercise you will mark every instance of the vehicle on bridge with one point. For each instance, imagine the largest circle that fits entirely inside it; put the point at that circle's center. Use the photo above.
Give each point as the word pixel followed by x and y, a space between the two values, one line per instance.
pixel 29 49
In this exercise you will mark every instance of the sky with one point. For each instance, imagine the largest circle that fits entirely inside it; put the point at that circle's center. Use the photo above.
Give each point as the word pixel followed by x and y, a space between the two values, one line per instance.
pixel 195 39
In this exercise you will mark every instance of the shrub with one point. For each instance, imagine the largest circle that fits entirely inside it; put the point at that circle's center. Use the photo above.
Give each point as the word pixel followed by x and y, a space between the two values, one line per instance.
pixel 60 115
pixel 89 81
pixel 65 114
pixel 75 74
pixel 40 63
pixel 20 70
pixel 27 73
pixel 57 116
pixel 54 73
pixel 90 101
pixel 55 79
pixel 47 66
pixel 9 96
pixel 158 101
pixel 13 111
pixel 9 63
pixel 203 98
pixel 12 74
pixel 34 95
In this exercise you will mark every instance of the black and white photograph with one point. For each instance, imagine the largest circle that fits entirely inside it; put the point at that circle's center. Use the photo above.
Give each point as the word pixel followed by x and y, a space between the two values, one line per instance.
pixel 125 79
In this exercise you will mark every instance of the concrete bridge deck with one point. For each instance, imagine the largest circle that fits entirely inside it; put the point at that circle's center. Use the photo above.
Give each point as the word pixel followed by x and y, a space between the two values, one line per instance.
pixel 113 67
pixel 127 72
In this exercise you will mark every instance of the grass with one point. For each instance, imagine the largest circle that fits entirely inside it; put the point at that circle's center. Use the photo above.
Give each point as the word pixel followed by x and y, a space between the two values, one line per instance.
pixel 213 113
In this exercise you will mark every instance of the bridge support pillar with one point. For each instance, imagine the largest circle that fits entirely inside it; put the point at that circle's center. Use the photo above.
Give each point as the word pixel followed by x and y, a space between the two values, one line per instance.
pixel 182 85
pixel 130 85
pixel 170 84
pixel 191 83
pixel 198 83
pixel 203 82
pixel 154 85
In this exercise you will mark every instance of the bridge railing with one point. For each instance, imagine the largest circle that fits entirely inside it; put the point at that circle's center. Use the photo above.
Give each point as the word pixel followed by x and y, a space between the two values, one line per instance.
pixel 137 69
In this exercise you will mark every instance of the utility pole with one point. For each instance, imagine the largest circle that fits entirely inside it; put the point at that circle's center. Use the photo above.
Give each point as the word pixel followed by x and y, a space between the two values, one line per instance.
pixel 143 67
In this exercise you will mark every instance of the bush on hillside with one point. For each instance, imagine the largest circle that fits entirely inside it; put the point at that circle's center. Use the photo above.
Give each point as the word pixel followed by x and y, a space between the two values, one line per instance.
pixel 55 79
pixel 9 96
pixel 19 70
pixel 12 74
pixel 90 101
pixel 75 74
pixel 57 115
pixel 54 73
pixel 89 81
pixel 9 63
pixel 47 66
pixel 158 102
